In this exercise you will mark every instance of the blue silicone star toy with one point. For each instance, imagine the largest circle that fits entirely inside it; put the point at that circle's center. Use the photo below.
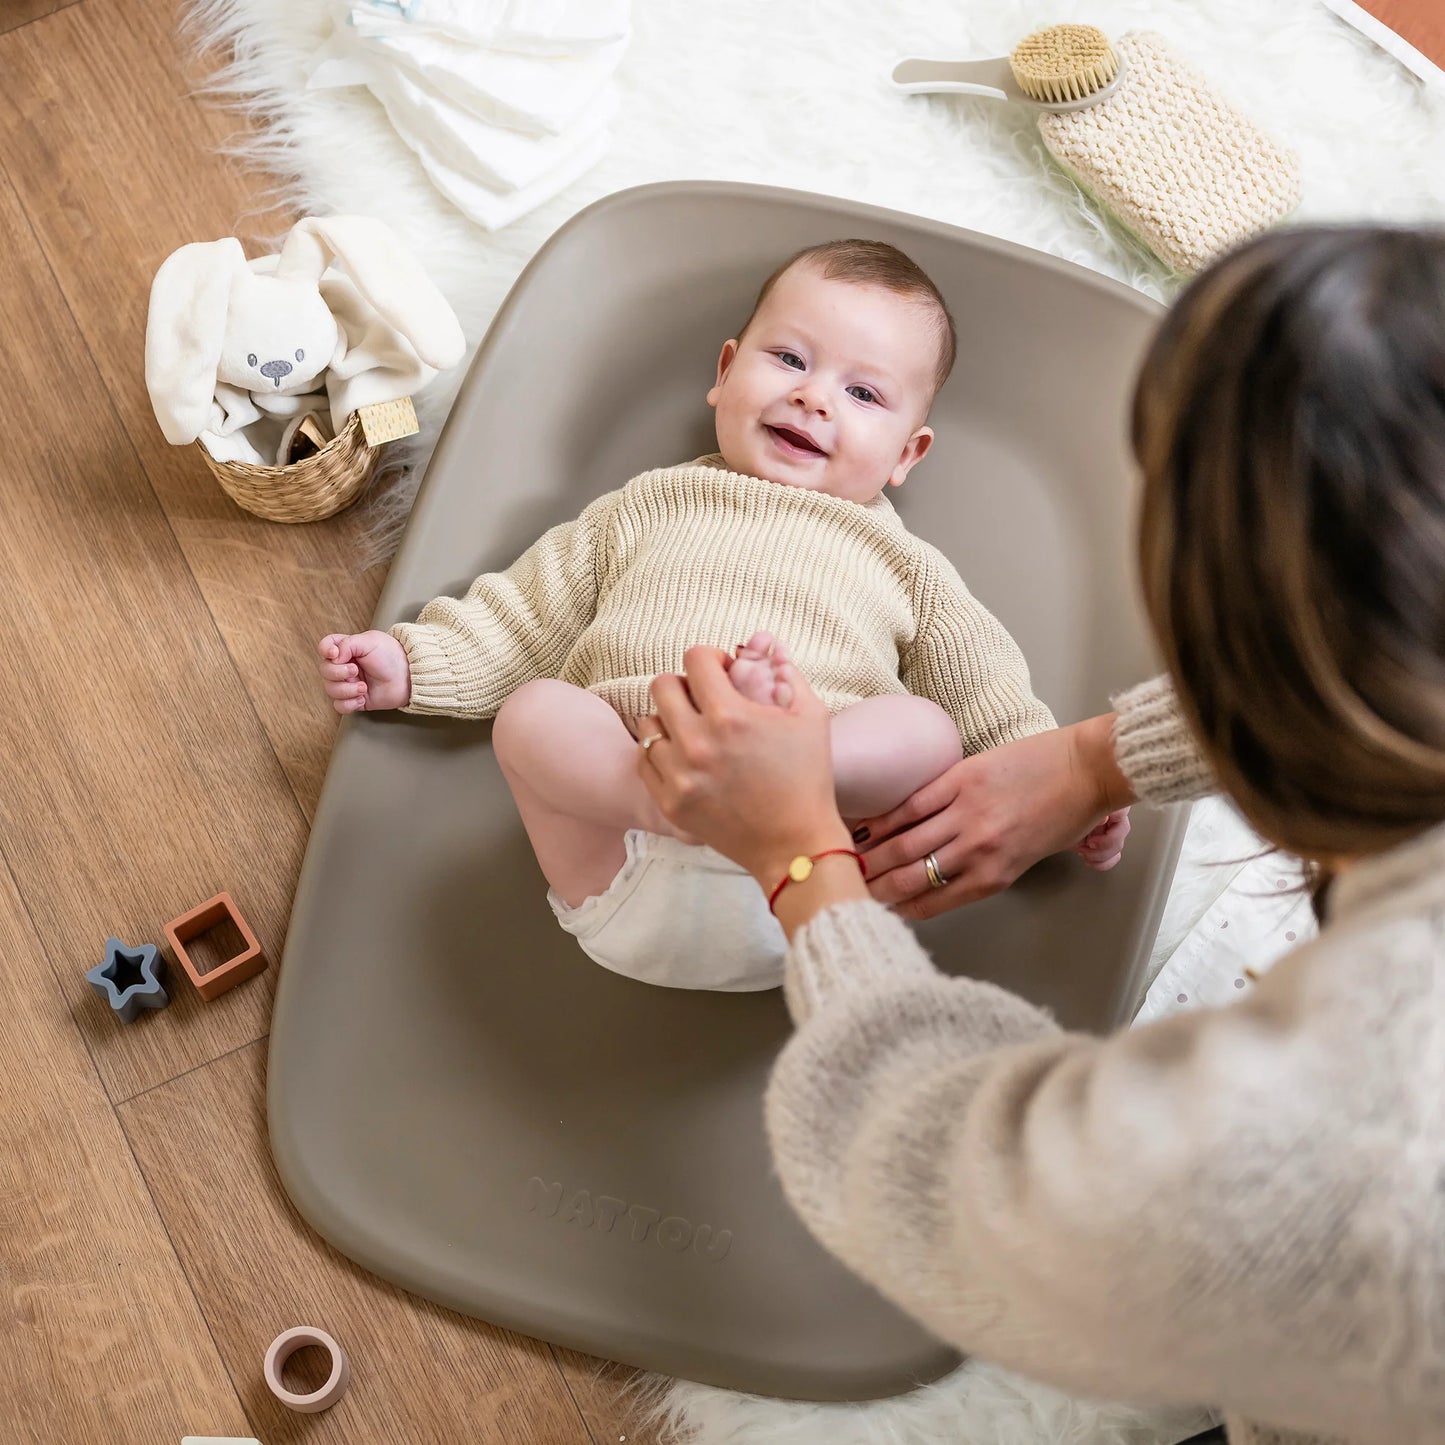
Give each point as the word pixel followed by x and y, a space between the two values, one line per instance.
pixel 130 978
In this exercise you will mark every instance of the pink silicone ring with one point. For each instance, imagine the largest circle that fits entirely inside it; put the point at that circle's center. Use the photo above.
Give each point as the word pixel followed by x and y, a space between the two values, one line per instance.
pixel 283 1347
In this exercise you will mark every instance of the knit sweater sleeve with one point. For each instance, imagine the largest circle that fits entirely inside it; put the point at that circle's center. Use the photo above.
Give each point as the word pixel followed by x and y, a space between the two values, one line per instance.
pixel 1067 1206
pixel 1154 748
pixel 964 660
pixel 468 654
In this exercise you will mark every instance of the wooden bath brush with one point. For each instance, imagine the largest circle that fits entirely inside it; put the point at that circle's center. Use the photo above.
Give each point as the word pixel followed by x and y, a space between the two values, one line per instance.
pixel 1139 131
pixel 1061 69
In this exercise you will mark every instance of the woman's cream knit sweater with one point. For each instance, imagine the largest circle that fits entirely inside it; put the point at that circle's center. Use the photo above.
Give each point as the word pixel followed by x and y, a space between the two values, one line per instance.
pixel 696 554
pixel 1241 1207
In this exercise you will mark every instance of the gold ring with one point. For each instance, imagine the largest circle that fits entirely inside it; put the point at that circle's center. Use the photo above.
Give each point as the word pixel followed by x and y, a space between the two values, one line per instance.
pixel 648 741
pixel 935 875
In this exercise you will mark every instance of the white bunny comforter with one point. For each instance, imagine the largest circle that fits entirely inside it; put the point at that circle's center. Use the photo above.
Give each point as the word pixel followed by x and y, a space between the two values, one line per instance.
pixel 342 317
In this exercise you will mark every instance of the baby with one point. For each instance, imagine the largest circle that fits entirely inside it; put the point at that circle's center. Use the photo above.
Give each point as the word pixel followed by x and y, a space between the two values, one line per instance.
pixel 821 404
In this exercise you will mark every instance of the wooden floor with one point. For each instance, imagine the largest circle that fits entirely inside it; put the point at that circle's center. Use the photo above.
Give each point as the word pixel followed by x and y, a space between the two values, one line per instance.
pixel 162 738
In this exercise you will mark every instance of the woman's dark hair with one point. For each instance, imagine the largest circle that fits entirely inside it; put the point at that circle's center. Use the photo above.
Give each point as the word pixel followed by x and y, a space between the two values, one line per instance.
pixel 1290 424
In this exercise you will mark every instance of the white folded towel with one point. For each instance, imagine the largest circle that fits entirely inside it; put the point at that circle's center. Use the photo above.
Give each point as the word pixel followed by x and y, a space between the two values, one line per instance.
pixel 494 156
pixel 494 209
pixel 535 27
pixel 497 131
pixel 538 94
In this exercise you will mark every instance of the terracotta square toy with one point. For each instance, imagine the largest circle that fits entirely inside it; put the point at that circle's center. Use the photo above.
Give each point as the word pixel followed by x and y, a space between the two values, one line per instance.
pixel 201 919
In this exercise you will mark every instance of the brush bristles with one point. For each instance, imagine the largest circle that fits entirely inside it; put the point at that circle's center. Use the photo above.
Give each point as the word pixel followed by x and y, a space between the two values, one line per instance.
pixel 1064 63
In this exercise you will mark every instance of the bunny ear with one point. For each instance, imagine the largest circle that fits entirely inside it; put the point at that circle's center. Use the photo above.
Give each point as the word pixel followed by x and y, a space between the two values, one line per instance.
pixel 387 275
pixel 185 330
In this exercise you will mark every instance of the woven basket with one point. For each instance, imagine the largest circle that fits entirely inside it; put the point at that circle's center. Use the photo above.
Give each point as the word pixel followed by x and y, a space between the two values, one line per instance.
pixel 316 487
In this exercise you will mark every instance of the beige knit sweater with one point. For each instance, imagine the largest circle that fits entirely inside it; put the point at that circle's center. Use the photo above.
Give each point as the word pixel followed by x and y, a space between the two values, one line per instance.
pixel 1242 1207
pixel 696 554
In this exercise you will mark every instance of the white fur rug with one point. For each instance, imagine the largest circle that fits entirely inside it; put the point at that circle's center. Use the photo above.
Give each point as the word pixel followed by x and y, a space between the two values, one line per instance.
pixel 795 94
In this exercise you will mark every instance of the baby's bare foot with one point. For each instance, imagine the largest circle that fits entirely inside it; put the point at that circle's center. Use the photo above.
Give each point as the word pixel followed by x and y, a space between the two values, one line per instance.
pixel 754 671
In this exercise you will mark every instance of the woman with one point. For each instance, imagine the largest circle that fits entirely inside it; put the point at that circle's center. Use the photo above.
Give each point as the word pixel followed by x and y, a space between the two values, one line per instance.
pixel 1243 1206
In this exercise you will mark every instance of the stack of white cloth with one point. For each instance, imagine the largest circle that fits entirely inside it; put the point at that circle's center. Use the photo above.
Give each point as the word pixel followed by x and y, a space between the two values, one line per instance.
pixel 505 102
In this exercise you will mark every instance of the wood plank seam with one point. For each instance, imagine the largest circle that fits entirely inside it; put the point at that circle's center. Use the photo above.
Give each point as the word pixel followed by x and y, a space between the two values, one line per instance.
pixel 572 1394
pixel 181 1265
pixel 184 1073
pixel 58 978
pixel 36 19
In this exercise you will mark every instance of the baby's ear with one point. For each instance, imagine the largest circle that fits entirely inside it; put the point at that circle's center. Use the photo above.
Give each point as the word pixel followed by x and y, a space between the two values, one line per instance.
pixel 914 450
pixel 724 362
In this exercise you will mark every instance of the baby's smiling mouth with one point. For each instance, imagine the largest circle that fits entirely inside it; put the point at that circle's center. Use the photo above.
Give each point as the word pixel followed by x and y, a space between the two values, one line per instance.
pixel 795 440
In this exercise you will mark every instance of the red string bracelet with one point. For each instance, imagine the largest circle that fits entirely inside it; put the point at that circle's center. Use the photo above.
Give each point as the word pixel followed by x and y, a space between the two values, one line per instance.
pixel 801 869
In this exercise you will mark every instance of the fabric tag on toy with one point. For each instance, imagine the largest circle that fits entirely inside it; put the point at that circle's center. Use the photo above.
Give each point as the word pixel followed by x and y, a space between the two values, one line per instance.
pixel 388 421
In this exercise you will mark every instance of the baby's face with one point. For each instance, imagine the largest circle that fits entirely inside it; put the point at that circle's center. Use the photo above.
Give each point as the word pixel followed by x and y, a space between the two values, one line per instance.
pixel 828 388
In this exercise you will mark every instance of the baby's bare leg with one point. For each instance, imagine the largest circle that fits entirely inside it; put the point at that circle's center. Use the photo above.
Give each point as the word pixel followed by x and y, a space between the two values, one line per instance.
pixel 572 767
pixel 886 748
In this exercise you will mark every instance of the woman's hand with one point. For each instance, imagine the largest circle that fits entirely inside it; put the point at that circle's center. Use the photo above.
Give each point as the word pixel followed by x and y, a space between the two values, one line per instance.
pixel 994 815
pixel 754 782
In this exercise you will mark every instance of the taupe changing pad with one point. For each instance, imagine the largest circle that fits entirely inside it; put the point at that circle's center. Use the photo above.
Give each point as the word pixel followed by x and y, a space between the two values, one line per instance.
pixel 459 1099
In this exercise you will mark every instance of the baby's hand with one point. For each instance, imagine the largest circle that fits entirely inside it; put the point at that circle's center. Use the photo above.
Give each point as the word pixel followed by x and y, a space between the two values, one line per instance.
pixel 365 671
pixel 1105 845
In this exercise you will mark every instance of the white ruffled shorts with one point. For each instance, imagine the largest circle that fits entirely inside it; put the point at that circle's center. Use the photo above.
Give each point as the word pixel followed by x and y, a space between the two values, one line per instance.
pixel 680 916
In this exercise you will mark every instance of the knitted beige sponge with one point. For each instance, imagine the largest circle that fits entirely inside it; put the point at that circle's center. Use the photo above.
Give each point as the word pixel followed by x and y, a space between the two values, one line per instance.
pixel 1179 165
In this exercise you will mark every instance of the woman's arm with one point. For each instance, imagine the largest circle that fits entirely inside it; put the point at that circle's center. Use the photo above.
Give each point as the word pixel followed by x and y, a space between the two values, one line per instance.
pixel 993 816
pixel 1114 1216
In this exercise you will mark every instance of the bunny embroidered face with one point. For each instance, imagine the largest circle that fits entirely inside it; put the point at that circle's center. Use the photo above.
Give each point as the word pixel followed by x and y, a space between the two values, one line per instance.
pixel 280 336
